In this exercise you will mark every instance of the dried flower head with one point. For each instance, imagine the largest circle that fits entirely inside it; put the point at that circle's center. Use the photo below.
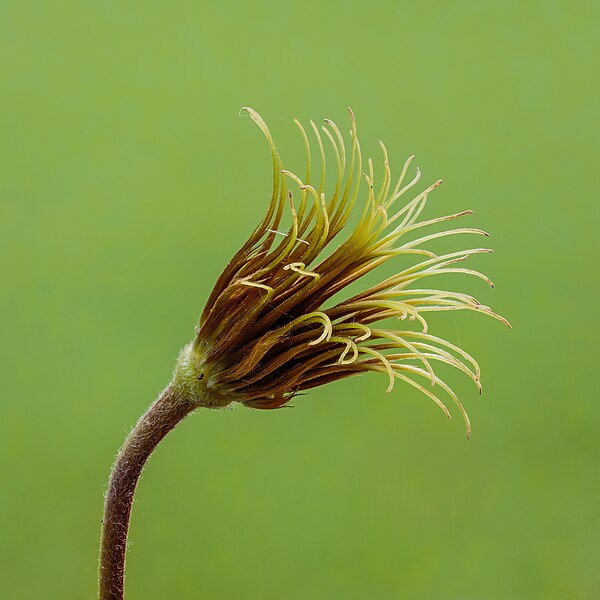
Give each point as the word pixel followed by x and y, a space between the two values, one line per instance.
pixel 267 333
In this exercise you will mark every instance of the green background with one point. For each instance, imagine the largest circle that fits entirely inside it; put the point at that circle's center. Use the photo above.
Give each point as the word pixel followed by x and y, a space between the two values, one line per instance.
pixel 128 178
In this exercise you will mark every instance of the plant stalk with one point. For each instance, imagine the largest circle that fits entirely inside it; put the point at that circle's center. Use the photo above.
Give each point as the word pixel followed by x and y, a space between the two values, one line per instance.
pixel 164 414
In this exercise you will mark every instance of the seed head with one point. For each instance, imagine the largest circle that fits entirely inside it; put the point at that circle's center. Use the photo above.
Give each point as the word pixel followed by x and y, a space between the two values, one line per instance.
pixel 270 328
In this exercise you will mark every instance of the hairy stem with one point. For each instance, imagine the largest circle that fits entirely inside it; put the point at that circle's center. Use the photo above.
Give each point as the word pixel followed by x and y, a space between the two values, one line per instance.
pixel 171 407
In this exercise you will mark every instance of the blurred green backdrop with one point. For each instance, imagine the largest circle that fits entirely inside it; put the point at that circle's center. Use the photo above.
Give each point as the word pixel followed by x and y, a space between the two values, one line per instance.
pixel 128 178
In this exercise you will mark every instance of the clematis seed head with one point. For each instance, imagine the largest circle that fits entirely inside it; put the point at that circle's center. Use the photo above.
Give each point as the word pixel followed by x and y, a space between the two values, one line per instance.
pixel 271 329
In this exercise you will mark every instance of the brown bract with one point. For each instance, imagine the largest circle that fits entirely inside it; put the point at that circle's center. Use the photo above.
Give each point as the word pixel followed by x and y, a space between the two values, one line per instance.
pixel 268 330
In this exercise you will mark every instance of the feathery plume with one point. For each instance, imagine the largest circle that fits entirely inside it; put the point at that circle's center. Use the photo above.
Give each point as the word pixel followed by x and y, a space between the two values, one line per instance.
pixel 266 332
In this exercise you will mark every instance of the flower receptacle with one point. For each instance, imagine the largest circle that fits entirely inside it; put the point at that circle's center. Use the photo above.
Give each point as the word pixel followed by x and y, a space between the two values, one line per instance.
pixel 192 383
